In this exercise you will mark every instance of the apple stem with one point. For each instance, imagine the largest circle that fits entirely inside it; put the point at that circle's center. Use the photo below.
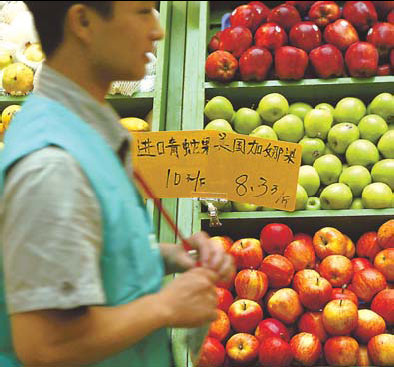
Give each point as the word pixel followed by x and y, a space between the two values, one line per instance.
pixel 241 244
pixel 244 306
pixel 317 281
pixel 340 303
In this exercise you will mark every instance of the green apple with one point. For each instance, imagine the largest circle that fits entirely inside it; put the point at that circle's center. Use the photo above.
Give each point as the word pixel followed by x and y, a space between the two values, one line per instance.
pixel 246 120
pixel 219 107
pixel 265 132
pixel 344 166
pixel 386 144
pixel 362 152
pixel 357 203
pixel 383 171
pixel 318 123
pixel 245 207
pixel 272 107
pixel 219 125
pixel 377 195
pixel 349 109
pixel 312 148
pixel 300 109
pixel 309 179
pixel 328 150
pixel 289 128
pixel 383 105
pixel 372 127
pixel 313 203
pixel 356 177
pixel 329 168
pixel 301 198
pixel 325 106
pixel 336 196
pixel 341 136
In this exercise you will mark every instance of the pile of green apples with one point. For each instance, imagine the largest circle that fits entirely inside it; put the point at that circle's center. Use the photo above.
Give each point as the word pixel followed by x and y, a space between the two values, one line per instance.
pixel 347 149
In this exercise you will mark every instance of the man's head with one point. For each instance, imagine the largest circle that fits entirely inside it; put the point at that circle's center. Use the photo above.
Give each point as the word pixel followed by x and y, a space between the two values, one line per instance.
pixel 113 36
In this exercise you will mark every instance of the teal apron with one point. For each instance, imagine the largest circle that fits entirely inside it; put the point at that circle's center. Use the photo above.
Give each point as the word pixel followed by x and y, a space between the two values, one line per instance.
pixel 130 266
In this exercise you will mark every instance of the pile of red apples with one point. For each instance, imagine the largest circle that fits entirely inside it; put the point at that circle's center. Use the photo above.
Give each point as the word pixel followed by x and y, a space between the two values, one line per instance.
pixel 301 300
pixel 304 39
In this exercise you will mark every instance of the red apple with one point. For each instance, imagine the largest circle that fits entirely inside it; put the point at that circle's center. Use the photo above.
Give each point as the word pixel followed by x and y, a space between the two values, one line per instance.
pixel 274 351
pixel 306 348
pixel 272 327
pixel 251 284
pixel 245 315
pixel 278 269
pixel 324 12
pixel 381 350
pixel 329 241
pixel 227 284
pixel 362 59
pixel 302 6
pixel 271 36
pixel 341 351
pixel 368 245
pixel 360 263
pixel 362 14
pixel 390 17
pixel 369 325
pixel 327 61
pixel 343 293
pixel 285 305
pixel 262 11
pixel 350 248
pixel 212 353
pixel 383 305
pixel 304 237
pixel 235 40
pixel 220 328
pixel 305 35
pixel 340 317
pixel 312 322
pixel 221 66
pixel 386 230
pixel 225 241
pixel 275 237
pixel 245 16
pixel 242 348
pixel 383 70
pixel 367 283
pixel 381 35
pixel 284 15
pixel 337 269
pixel 340 34
pixel 225 298
pixel 213 44
pixel 363 357
pixel 301 255
pixel 255 63
pixel 314 291
pixel 290 63
pixel 247 253
pixel 384 262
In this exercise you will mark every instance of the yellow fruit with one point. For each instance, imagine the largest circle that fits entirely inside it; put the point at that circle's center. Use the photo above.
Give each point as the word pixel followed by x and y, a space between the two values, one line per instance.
pixel 18 79
pixel 8 113
pixel 149 117
pixel 5 58
pixel 33 52
pixel 1 128
pixel 134 124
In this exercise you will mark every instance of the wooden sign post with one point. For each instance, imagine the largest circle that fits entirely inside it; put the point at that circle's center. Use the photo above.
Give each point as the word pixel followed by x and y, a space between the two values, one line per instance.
pixel 212 164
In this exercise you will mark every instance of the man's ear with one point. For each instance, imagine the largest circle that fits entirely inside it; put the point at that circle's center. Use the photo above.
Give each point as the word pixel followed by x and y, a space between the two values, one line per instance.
pixel 79 21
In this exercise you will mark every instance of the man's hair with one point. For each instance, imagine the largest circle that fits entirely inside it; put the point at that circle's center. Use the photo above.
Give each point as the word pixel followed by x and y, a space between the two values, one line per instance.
pixel 49 17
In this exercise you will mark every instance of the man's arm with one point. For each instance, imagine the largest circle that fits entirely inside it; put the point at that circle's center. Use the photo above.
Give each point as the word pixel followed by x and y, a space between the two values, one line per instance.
pixel 58 338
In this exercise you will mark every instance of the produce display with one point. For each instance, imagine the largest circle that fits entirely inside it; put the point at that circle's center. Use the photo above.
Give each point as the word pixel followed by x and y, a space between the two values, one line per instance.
pixel 305 300
pixel 304 39
pixel 347 148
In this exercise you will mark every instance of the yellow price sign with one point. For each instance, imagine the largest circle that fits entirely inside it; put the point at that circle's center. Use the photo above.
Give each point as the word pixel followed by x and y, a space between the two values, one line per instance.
pixel 212 164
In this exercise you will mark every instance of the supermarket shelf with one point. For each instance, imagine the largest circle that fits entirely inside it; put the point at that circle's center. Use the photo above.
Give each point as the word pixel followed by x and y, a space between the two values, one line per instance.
pixel 329 90
pixel 139 104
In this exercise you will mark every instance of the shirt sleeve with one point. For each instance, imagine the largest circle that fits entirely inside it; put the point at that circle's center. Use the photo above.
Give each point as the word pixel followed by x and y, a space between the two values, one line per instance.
pixel 51 234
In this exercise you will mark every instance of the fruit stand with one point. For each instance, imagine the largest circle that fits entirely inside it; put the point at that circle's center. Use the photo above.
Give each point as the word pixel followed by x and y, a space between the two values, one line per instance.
pixel 204 19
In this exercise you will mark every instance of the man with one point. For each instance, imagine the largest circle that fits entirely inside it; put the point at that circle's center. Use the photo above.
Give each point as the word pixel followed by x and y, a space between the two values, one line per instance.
pixel 81 275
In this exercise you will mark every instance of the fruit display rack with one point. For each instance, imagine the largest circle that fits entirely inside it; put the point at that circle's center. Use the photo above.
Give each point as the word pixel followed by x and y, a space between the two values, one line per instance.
pixel 203 21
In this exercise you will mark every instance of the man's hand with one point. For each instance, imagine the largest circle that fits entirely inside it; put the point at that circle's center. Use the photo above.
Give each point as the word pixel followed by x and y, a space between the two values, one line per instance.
pixel 210 254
